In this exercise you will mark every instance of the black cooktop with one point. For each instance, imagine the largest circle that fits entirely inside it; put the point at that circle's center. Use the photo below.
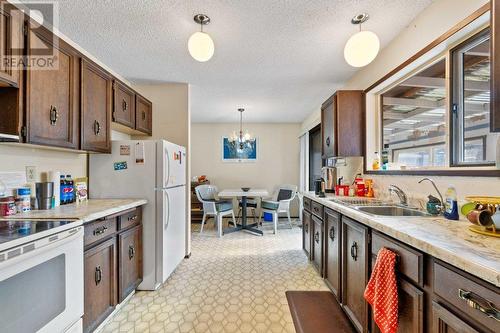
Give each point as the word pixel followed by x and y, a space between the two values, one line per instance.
pixel 15 229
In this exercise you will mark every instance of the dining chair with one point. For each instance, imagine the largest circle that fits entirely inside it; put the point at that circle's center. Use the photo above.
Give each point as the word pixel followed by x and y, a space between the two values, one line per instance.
pixel 207 195
pixel 279 204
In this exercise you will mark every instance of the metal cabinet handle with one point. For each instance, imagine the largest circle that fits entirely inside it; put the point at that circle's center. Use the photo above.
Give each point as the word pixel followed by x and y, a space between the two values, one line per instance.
pixel 316 237
pixel 97 127
pixel 354 251
pixel 100 231
pixel 54 115
pixel 98 275
pixel 132 218
pixel 332 233
pixel 328 141
pixel 306 228
pixel 131 252
pixel 124 105
pixel 479 303
pixel 143 115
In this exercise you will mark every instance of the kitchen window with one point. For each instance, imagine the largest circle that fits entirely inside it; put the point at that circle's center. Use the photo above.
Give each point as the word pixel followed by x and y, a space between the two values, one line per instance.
pixel 436 116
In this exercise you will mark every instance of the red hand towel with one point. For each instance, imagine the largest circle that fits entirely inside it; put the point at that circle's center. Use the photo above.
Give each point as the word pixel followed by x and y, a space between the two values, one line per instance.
pixel 382 292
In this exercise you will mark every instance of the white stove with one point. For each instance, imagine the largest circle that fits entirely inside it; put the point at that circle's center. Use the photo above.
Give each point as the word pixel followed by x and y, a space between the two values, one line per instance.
pixel 41 276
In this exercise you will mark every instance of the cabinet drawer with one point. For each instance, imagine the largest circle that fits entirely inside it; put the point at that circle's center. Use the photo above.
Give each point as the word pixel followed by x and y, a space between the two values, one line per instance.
pixel 307 204
pixel 410 260
pixel 99 230
pixel 457 289
pixel 317 209
pixel 130 218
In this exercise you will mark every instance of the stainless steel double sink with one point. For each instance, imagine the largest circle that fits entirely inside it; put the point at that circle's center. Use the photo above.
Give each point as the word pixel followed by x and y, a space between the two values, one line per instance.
pixel 379 208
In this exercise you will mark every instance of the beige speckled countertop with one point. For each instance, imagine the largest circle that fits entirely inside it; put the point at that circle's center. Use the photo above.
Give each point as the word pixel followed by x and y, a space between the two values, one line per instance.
pixel 86 211
pixel 450 241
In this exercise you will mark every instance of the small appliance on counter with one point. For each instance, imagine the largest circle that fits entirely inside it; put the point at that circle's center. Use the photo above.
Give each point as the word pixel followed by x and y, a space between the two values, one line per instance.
pixel 329 175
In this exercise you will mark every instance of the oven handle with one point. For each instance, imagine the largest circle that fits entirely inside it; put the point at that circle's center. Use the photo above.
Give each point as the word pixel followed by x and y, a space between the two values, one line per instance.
pixel 64 237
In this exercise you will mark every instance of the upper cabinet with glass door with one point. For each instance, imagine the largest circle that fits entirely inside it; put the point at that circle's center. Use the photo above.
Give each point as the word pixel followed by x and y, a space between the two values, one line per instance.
pixel 434 111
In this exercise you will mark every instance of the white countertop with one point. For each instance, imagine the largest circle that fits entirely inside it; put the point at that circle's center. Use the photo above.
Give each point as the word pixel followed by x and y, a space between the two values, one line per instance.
pixel 449 241
pixel 89 210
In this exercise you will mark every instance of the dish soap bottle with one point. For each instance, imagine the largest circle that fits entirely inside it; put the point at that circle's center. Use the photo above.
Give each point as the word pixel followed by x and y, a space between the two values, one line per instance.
pixel 451 204
pixel 376 162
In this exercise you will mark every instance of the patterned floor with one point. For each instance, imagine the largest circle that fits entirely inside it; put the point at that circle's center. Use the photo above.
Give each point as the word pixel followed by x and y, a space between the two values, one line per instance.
pixel 233 284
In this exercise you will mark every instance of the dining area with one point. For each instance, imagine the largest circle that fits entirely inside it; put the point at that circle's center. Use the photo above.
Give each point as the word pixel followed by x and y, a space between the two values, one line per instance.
pixel 246 209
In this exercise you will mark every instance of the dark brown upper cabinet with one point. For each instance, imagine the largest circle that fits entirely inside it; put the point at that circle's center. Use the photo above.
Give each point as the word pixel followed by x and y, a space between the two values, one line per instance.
pixel 52 97
pixel 97 92
pixel 143 115
pixel 11 44
pixel 343 124
pixel 124 105
pixel 495 66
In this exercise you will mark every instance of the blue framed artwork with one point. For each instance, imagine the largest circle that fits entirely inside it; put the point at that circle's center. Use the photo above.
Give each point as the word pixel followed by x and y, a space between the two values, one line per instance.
pixel 231 152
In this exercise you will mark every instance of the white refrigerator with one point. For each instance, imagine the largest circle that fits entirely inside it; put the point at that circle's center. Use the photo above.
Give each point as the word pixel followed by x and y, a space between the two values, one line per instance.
pixel 154 170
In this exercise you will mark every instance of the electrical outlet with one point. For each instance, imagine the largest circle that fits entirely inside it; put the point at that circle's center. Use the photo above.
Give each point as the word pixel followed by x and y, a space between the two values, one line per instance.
pixel 31 174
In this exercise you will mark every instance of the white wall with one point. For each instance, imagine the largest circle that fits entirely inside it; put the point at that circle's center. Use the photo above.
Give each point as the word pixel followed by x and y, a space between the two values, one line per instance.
pixel 17 157
pixel 277 160
pixel 431 23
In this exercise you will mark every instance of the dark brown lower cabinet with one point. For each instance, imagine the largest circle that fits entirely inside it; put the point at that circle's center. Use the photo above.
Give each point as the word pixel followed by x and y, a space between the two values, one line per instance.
pixel 355 265
pixel 100 283
pixel 317 244
pixel 411 307
pixel 306 232
pixel 112 264
pixel 444 321
pixel 332 260
pixel 130 261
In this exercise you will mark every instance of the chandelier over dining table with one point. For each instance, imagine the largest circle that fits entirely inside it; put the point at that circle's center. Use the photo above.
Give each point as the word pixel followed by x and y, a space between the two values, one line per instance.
pixel 241 140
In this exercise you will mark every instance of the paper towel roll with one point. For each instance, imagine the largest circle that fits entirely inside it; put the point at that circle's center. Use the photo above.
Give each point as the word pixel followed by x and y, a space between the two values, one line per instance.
pixel 55 177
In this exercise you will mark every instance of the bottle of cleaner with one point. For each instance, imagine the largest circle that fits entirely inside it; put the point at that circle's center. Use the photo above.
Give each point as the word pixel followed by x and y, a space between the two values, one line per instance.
pixel 376 162
pixel 451 204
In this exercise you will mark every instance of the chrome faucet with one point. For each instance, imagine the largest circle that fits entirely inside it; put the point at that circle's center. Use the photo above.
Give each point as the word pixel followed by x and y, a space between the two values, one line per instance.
pixel 441 207
pixel 403 199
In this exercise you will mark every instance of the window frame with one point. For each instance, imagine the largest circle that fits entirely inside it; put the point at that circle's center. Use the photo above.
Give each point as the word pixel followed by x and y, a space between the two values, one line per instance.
pixel 456 102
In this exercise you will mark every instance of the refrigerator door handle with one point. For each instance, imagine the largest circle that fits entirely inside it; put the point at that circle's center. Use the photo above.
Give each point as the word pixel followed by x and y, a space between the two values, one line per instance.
pixel 167 207
pixel 168 167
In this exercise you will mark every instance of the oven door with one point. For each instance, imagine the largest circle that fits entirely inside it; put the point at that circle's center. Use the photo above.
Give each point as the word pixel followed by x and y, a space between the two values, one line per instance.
pixel 41 289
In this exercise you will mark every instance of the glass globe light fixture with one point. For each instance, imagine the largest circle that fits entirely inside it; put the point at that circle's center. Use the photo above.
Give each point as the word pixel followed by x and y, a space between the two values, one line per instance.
pixel 200 45
pixel 362 48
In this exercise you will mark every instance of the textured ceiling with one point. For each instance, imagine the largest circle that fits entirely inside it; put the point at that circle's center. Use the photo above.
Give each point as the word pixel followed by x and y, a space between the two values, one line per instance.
pixel 278 59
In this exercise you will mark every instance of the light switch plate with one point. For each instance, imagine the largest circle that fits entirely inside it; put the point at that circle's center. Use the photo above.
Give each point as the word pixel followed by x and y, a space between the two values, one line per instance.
pixel 30 174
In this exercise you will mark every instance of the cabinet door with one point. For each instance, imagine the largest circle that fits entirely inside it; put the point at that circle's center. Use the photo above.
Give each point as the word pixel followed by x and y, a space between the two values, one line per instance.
pixel 129 261
pixel 411 318
pixel 123 105
pixel 332 235
pixel 144 115
pixel 355 272
pixel 100 283
pixel 444 321
pixel 52 98
pixel 306 232
pixel 350 123
pixel 11 44
pixel 495 66
pixel 317 244
pixel 97 87
pixel 328 128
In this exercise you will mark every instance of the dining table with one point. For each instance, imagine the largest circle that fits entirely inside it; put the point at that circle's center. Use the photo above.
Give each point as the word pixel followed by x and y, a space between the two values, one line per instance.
pixel 244 195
